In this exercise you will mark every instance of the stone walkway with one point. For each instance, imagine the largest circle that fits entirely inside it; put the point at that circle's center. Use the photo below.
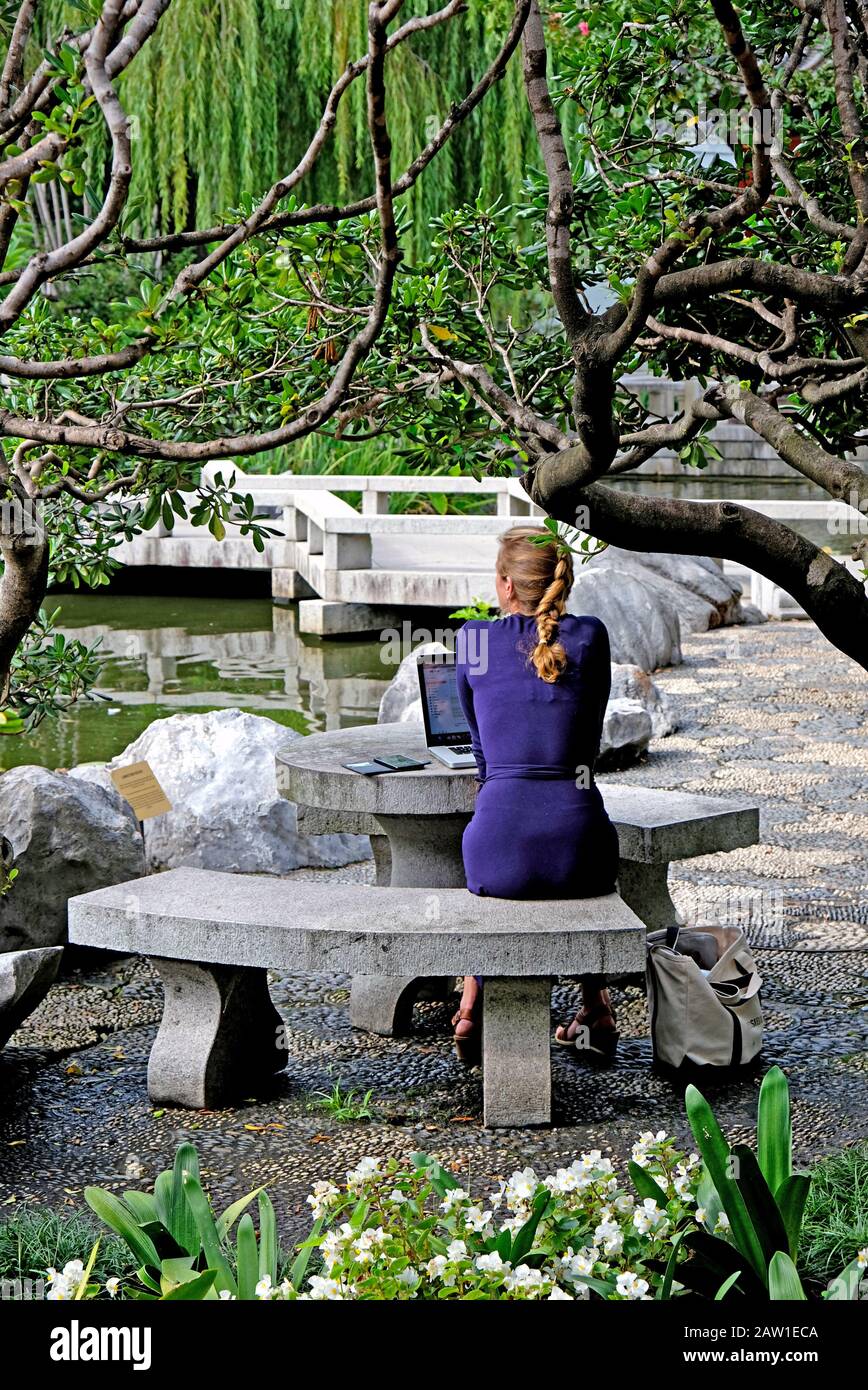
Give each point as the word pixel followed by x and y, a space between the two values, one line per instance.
pixel 771 712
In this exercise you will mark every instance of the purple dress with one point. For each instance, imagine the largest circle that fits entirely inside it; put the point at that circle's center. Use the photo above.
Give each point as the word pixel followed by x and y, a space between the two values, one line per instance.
pixel 540 828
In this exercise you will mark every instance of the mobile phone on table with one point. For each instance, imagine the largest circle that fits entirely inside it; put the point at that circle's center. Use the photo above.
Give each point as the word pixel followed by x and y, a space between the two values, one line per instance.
pixel 366 769
pixel 399 763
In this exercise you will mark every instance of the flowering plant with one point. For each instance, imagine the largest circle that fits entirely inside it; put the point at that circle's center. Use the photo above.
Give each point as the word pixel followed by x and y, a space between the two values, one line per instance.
pixel 399 1233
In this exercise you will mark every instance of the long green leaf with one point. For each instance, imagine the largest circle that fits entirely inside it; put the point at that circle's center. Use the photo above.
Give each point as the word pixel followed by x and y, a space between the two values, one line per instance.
pixel 246 1258
pixel 267 1238
pixel 81 1289
pixel 118 1216
pixel 231 1214
pixel 774 1131
pixel 784 1281
pixel 846 1286
pixel 143 1207
pixel 302 1259
pixel 645 1185
pixel 791 1197
pixel 195 1290
pixel 761 1205
pixel 715 1151
pixel 726 1286
pixel 207 1228
pixel 182 1222
pixel 664 1293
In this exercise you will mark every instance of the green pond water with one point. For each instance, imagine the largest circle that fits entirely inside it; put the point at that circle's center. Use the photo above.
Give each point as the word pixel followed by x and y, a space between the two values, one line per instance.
pixel 173 655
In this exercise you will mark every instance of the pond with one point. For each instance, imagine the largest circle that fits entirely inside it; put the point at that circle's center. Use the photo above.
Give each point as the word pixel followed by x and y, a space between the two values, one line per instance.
pixel 173 654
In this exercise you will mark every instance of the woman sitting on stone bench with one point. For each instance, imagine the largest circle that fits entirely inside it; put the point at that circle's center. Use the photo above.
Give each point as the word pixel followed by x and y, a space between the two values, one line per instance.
pixel 534 686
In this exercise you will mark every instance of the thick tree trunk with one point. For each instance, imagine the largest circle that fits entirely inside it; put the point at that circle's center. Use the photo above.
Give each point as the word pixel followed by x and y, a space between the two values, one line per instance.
pixel 22 589
pixel 825 588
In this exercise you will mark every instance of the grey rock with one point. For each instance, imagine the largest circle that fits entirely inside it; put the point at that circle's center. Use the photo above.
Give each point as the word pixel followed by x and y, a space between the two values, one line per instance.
pixel 702 595
pixel 218 771
pixel 25 979
pixel 752 615
pixel 68 837
pixel 643 624
pixel 97 774
pixel 632 683
pixel 626 734
pixel 401 702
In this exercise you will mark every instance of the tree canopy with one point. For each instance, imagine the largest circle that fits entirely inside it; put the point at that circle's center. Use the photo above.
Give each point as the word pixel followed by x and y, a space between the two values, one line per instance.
pixel 695 203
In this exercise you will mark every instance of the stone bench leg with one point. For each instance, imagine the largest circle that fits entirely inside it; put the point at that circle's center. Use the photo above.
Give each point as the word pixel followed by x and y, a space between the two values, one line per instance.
pixel 516 1052
pixel 220 1035
pixel 645 888
pixel 384 1003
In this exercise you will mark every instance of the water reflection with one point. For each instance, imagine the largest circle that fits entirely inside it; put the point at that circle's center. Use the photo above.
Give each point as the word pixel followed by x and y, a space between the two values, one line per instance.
pixel 168 655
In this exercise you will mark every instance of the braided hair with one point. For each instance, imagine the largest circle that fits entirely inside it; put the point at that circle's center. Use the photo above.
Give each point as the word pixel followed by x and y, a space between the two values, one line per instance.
pixel 542 575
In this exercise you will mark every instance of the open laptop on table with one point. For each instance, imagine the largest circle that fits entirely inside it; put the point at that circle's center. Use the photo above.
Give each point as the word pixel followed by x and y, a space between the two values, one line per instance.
pixel 446 731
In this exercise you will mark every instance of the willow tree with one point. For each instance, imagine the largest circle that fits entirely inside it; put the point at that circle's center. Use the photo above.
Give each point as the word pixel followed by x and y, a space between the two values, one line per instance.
pixel 223 97
pixel 748 273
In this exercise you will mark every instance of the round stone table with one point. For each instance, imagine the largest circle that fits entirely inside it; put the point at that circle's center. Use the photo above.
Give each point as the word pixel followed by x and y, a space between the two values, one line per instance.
pixel 420 815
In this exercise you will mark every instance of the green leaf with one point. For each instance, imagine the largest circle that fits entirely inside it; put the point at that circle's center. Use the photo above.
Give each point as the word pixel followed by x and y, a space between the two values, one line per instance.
pixel 231 1214
pixel 846 1286
pixel 791 1197
pixel 82 1288
pixel 195 1290
pixel 761 1205
pixel 774 1131
pixel 302 1260
pixel 664 1293
pixel 118 1216
pixel 246 1258
pixel 645 1185
pixel 726 1286
pixel 267 1238
pixel 715 1151
pixel 171 1200
pixel 784 1281
pixel 143 1207
pixel 208 1235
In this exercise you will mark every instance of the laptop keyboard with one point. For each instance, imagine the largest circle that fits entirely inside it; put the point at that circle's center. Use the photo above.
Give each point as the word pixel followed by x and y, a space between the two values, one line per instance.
pixel 460 748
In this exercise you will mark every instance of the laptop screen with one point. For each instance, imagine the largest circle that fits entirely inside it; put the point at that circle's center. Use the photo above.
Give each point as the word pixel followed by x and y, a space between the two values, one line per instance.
pixel 444 718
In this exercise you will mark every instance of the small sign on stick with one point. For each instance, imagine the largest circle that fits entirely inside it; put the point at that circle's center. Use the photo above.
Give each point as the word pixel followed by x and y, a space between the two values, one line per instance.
pixel 138 785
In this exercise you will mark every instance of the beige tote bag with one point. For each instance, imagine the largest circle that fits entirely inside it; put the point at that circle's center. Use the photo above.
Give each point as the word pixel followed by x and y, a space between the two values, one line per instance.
pixel 703 997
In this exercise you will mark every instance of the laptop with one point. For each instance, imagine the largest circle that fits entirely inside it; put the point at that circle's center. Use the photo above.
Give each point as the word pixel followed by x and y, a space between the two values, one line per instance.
pixel 446 731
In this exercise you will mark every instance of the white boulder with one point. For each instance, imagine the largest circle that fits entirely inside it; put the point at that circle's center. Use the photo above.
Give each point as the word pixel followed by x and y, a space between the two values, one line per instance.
pixel 218 771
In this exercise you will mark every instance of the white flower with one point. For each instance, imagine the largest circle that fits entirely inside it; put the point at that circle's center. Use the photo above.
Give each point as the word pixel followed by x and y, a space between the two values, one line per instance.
pixel 523 1277
pixel 364 1170
pixel 629 1285
pixel 438 1268
pixel 456 1250
pixel 624 1203
pixel 453 1197
pixel 862 1258
pixel 722 1222
pixel 73 1270
pixel 408 1276
pixel 112 1286
pixel 649 1217
pixel 521 1187
pixel 364 1245
pixel 609 1233
pixel 514 1223
pixel 397 1197
pixel 701 1216
pixel 323 1195
pixel 558 1295
pixel 59 1292
pixel 475 1219
pixel 325 1290
pixel 263 1289
pixel 490 1264
pixel 226 1296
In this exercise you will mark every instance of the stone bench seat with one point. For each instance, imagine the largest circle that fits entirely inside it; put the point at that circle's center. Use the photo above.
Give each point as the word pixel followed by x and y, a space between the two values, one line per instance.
pixel 212 935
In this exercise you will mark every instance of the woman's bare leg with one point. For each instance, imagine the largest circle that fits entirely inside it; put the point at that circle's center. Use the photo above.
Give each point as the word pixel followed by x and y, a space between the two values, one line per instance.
pixel 469 1004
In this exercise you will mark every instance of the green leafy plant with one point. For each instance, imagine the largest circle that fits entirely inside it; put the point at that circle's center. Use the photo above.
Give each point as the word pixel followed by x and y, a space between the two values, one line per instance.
pixel 181 1250
pixel 477 608
pixel 343 1105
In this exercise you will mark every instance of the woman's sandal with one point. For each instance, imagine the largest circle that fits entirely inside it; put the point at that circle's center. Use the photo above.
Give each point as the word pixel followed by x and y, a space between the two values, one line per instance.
pixel 601 1041
pixel 467 1045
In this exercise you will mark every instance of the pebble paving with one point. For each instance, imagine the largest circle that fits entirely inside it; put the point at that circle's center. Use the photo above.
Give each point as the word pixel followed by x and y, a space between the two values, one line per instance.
pixel 771 712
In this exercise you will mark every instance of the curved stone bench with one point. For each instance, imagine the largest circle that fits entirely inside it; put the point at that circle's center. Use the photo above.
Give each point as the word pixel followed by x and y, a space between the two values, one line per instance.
pixel 212 935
